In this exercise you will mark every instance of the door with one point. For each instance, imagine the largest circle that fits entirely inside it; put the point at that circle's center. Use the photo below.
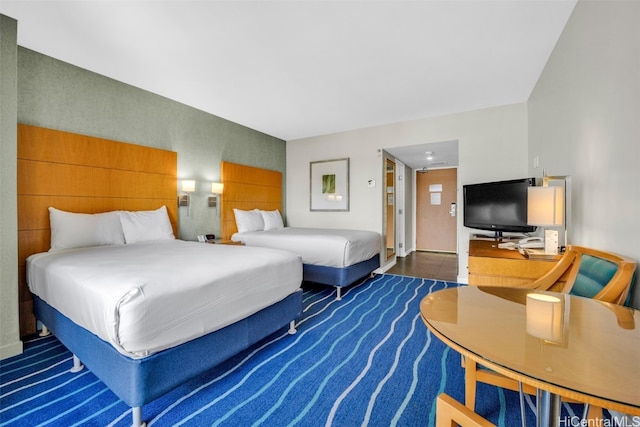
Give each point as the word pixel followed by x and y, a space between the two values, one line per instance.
pixel 436 210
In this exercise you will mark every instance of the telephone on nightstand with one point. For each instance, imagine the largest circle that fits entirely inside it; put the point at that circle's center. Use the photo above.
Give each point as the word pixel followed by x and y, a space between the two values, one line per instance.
pixel 526 243
pixel 531 243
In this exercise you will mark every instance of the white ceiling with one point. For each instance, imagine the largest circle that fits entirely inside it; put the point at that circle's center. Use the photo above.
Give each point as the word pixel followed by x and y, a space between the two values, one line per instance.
pixel 295 69
pixel 433 155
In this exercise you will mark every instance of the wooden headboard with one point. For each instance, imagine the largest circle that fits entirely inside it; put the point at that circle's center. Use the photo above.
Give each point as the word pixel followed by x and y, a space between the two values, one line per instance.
pixel 83 174
pixel 247 187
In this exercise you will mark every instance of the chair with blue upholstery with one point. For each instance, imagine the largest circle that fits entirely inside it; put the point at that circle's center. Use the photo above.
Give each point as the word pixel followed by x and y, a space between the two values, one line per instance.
pixel 590 273
pixel 581 271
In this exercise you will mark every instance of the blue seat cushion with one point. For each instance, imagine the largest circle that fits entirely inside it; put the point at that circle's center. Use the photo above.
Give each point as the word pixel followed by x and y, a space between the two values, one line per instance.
pixel 593 275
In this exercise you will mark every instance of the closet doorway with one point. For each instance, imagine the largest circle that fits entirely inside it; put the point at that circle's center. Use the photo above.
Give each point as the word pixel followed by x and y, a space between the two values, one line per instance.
pixel 390 206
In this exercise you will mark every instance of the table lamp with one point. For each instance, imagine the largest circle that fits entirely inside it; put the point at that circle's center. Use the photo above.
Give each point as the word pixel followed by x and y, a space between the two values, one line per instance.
pixel 545 208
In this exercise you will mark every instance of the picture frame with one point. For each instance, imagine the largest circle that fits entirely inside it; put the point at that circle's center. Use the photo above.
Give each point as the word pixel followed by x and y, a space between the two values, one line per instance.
pixel 329 185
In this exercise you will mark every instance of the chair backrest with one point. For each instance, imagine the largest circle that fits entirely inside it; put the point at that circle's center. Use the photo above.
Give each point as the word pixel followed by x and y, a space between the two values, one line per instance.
pixel 600 275
pixel 450 412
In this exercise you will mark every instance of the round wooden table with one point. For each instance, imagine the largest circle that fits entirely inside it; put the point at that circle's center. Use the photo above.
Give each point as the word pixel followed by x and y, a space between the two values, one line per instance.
pixel 565 346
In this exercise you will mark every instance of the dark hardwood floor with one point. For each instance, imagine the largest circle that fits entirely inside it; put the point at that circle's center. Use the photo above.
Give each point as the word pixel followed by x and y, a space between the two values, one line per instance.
pixel 430 265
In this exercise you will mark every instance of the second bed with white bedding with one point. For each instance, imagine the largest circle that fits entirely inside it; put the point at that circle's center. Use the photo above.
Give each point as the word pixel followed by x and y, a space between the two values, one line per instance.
pixel 317 246
pixel 146 297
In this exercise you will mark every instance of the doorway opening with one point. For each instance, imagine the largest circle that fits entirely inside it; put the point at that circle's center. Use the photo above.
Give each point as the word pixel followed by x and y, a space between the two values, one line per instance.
pixel 431 210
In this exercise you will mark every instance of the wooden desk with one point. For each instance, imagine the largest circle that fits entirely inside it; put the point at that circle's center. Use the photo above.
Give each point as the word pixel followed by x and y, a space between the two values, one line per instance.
pixel 594 361
pixel 490 265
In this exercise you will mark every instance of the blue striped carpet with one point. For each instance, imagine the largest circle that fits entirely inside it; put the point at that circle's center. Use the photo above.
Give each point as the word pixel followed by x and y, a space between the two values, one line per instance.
pixel 365 360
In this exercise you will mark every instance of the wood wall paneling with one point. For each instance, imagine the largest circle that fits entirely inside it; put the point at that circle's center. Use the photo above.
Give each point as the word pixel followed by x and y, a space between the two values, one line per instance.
pixel 80 173
pixel 246 188
pixel 55 146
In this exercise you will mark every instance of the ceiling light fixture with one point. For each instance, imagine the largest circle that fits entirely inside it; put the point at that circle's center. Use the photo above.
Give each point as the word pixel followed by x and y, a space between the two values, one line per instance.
pixel 429 155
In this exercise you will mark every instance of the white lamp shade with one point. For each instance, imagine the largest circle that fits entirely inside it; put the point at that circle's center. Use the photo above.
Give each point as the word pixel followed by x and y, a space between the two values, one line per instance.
pixel 217 187
pixel 545 318
pixel 545 206
pixel 188 186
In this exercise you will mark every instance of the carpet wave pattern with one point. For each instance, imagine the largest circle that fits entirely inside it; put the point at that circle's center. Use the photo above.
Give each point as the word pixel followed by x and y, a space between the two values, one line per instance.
pixel 367 360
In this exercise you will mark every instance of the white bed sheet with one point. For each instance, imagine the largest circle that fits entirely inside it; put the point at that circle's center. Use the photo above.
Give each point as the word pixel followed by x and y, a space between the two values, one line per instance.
pixel 146 297
pixel 318 246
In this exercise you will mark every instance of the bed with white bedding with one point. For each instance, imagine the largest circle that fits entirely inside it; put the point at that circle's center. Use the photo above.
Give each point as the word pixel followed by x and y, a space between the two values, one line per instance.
pixel 317 246
pixel 334 257
pixel 147 297
pixel 92 177
pixel 145 312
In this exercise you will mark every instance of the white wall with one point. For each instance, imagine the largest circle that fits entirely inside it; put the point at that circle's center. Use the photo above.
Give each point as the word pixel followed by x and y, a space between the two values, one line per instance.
pixel 492 146
pixel 584 121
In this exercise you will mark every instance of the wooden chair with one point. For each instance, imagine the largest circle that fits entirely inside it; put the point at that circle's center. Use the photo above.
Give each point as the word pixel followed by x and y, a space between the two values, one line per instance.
pixel 581 271
pixel 590 273
pixel 450 412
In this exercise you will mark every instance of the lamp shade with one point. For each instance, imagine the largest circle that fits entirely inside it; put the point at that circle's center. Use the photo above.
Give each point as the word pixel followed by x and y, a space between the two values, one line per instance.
pixel 544 314
pixel 217 187
pixel 188 186
pixel 545 206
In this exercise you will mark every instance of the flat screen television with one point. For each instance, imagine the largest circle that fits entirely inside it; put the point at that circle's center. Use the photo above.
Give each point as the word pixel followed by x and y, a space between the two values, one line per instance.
pixel 499 206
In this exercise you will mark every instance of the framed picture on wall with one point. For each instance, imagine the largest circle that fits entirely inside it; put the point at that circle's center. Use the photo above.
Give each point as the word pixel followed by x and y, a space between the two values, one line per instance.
pixel 329 185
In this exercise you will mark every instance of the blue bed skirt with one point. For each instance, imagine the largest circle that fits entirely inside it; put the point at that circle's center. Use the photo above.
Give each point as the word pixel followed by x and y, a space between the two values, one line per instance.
pixel 340 277
pixel 140 381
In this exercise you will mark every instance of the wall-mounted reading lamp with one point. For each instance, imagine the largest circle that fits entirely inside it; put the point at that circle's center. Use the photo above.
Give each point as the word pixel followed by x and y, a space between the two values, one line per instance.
pixel 216 189
pixel 187 186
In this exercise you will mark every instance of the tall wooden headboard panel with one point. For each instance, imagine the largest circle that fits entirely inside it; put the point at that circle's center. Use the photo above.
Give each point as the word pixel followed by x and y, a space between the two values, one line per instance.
pixel 247 187
pixel 83 174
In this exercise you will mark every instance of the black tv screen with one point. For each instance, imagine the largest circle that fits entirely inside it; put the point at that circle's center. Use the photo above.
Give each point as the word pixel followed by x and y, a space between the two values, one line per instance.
pixel 498 206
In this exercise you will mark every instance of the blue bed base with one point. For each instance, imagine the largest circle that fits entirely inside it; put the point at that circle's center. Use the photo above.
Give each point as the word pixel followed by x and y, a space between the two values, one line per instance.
pixel 140 381
pixel 339 277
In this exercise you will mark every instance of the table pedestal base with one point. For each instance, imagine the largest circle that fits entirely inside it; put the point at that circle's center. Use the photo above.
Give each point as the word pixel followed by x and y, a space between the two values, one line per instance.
pixel 548 409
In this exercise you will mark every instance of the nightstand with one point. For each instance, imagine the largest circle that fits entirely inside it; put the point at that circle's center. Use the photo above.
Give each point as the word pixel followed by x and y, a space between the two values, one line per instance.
pixel 224 242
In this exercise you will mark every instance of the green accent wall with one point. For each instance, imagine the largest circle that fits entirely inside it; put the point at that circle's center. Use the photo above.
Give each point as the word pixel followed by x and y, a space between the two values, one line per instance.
pixel 57 95
pixel 43 91
pixel 10 343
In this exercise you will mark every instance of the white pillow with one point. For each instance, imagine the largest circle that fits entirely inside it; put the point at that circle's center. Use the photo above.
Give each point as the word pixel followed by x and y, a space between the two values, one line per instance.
pixel 272 220
pixel 146 226
pixel 248 220
pixel 78 230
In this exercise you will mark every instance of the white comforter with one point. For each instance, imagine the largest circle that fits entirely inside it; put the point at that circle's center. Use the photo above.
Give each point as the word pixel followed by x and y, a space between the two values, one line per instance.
pixel 146 297
pixel 318 246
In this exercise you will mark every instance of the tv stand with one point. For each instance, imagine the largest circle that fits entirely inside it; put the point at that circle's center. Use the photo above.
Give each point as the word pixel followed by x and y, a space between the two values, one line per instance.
pixel 495 237
pixel 486 236
pixel 490 265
